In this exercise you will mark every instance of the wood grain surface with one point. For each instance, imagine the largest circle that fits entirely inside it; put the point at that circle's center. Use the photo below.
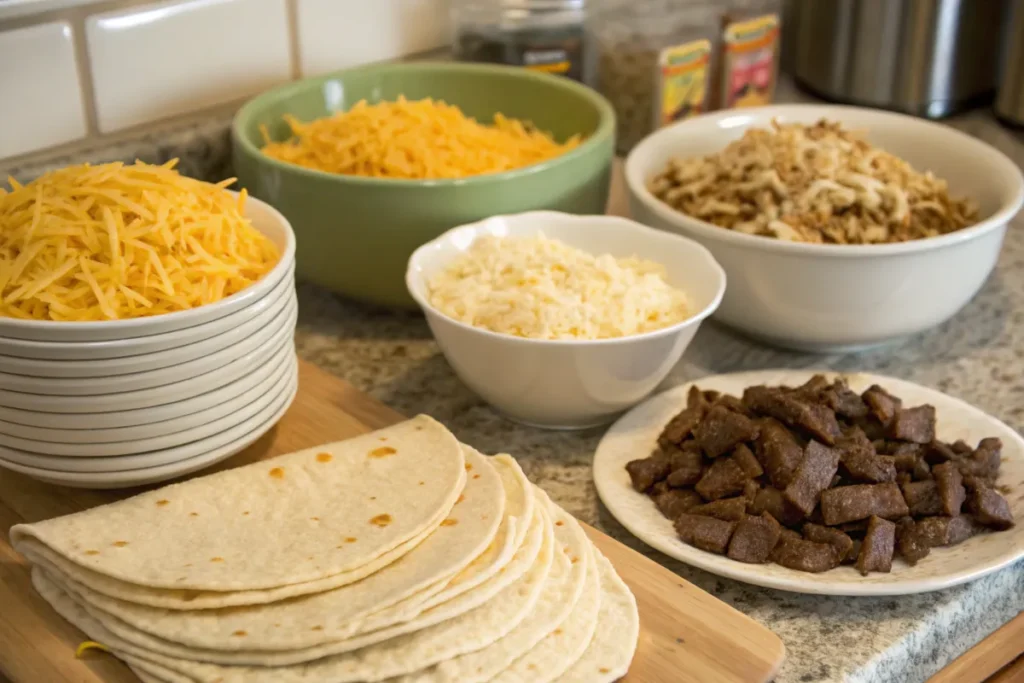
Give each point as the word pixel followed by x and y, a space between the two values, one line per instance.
pixel 687 635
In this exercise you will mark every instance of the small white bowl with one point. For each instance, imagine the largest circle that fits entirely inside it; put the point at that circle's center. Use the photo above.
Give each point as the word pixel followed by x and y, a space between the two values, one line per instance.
pixel 265 218
pixel 569 384
pixel 268 335
pixel 820 297
pixel 135 346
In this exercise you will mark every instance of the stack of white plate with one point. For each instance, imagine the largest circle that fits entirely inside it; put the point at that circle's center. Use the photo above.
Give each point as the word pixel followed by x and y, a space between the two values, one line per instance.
pixel 129 402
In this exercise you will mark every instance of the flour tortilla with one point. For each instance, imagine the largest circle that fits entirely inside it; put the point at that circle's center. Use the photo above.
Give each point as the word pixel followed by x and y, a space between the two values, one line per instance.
pixel 322 617
pixel 610 652
pixel 571 571
pixel 196 535
pixel 538 538
pixel 470 631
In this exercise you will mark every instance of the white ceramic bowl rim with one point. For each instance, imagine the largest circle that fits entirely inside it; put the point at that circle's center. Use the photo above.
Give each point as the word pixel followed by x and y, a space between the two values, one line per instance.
pixel 1000 163
pixel 412 275
pixel 236 301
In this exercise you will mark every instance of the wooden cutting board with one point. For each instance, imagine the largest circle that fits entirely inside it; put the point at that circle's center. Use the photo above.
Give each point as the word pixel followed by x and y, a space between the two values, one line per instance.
pixel 687 636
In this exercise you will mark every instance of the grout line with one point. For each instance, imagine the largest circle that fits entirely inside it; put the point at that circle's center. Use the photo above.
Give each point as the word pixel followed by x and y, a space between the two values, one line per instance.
pixel 295 53
pixel 83 64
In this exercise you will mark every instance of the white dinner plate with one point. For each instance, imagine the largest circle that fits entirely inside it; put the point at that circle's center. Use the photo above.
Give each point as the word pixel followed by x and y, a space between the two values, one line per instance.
pixel 243 438
pixel 635 434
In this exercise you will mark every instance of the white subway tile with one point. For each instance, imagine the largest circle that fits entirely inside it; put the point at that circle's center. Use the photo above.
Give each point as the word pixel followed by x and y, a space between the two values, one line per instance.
pixel 40 95
pixel 334 34
pixel 158 60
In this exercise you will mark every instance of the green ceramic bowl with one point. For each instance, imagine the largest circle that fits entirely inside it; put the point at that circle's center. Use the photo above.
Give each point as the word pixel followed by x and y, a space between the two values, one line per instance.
pixel 354 235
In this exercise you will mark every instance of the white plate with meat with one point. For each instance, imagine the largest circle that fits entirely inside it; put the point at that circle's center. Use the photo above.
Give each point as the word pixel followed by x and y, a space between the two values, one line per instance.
pixel 904 464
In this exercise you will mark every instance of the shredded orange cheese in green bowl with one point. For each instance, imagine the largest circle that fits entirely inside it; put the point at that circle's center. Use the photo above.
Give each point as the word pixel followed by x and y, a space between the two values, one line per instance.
pixel 116 241
pixel 413 140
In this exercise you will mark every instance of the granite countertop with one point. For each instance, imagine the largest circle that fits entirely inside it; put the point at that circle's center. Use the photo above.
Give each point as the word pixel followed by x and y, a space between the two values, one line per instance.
pixel 977 356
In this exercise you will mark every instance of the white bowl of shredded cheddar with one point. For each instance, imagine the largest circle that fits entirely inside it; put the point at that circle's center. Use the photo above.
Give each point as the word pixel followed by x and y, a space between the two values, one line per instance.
pixel 559 320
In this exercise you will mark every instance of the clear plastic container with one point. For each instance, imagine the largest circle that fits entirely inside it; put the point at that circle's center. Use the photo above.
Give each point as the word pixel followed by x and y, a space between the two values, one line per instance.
pixel 541 35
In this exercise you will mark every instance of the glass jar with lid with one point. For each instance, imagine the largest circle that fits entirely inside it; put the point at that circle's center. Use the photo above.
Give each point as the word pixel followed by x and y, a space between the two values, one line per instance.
pixel 542 35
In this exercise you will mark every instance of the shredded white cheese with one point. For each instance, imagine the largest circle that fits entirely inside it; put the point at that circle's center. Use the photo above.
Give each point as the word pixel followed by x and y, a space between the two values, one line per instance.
pixel 540 288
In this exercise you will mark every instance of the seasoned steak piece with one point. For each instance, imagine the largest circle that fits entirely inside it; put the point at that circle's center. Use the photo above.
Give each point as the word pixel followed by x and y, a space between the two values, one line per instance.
pixel 938 452
pixel 723 478
pixel 750 490
pixel 835 538
pixel 851 557
pixel 648 471
pixel 961 447
pixel 744 457
pixel 812 476
pixel 881 403
pixel 754 539
pixel 730 402
pixel 855 529
pixel 729 509
pixel 680 427
pixel 863 465
pixel 923 498
pixel 939 531
pixel 990 508
pixel 658 489
pixel 771 500
pixel 686 465
pixel 921 471
pixel 913 424
pixel 815 418
pixel 722 430
pixel 846 403
pixel 950 484
pixel 805 556
pixel 879 544
pixel 850 503
pixel 910 542
pixel 811 389
pixel 675 502
pixel 984 461
pixel 778 452
pixel 905 458
pixel 706 533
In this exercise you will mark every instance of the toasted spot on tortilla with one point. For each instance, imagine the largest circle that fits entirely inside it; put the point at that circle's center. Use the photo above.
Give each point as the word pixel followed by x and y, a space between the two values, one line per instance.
pixel 468 467
pixel 161 503
pixel 277 473
pixel 373 497
pixel 383 438
pixel 193 514
pixel 449 522
pixel 382 452
pixel 351 539
pixel 315 519
pixel 476 476
pixel 245 513
pixel 317 628
pixel 559 523
pixel 324 457
pixel 381 520
pixel 422 483
pixel 216 559
pixel 575 560
pixel 558 631
pixel 461 498
pixel 604 669
pixel 92 552
pixel 119 544
pixel 239 633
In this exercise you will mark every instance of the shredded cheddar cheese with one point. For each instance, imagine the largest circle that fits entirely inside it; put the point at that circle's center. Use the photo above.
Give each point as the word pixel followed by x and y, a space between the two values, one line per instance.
pixel 418 139
pixel 87 645
pixel 118 241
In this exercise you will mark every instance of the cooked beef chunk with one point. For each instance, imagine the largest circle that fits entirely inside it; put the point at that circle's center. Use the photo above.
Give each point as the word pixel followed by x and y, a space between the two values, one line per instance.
pixel 778 452
pixel 961 447
pixel 681 426
pixel 881 403
pixel 938 452
pixel 812 476
pixel 750 491
pixel 939 531
pixel 729 509
pixel 846 403
pixel 921 471
pixel 711 396
pixel 659 488
pixel 851 557
pixel 835 538
pixel 913 424
pixel 879 544
pixel 771 500
pixel 805 556
pixel 906 459
pixel 923 498
pixel 850 503
pixel 815 418
pixel 984 461
pixel 911 543
pixel 675 502
pixel 863 465
pixel 854 529
pixel 723 478
pixel 722 430
pixel 686 465
pixel 951 488
pixel 706 533
pixel 744 457
pixel 990 508
pixel 732 403
pixel 649 471
pixel 754 539
pixel 811 389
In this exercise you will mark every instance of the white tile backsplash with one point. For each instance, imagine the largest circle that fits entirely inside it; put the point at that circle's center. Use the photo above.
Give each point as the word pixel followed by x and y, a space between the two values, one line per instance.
pixel 40 94
pixel 335 34
pixel 155 61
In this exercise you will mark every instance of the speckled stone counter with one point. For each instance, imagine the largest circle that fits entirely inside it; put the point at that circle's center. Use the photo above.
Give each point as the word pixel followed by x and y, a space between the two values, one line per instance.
pixel 978 356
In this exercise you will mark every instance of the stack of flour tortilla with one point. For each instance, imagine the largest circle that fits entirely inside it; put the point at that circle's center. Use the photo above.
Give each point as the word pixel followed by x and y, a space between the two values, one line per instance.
pixel 396 556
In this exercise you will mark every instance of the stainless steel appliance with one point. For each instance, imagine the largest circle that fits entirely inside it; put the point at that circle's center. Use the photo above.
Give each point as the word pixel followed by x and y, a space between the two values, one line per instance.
pixel 925 57
pixel 1010 100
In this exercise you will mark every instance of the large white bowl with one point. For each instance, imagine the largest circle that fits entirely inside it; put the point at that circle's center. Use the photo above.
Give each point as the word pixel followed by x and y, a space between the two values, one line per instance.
pixel 841 297
pixel 265 218
pixel 568 383
pixel 267 335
